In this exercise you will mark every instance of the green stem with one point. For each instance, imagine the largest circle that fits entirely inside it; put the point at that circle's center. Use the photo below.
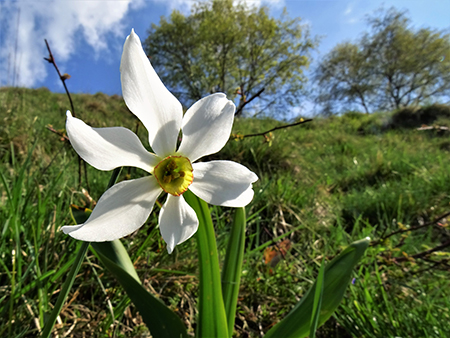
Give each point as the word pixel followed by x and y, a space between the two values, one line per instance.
pixel 212 321
pixel 232 267
pixel 114 177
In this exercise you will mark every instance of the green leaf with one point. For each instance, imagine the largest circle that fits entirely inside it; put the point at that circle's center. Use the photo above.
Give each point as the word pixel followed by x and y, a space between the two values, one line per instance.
pixel 117 253
pixel 212 321
pixel 160 320
pixel 231 273
pixel 114 250
pixel 318 296
pixel 336 278
pixel 78 218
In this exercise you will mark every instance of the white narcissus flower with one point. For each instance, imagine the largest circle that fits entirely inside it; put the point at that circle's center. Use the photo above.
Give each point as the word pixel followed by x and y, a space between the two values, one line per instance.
pixel 206 127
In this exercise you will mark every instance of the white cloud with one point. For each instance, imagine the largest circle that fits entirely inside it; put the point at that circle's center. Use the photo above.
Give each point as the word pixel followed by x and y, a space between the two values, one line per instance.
pixel 66 24
pixel 185 6
pixel 349 9
pixel 349 13
pixel 25 25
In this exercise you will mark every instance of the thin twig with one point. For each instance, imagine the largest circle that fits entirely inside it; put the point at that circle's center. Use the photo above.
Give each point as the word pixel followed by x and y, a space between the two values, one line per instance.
pixel 273 129
pixel 63 77
pixel 239 109
pixel 410 229
pixel 432 267
pixel 86 176
pixel 53 130
pixel 131 169
pixel 423 253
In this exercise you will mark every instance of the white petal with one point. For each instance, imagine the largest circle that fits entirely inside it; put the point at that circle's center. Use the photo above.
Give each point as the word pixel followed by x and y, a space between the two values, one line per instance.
pixel 177 221
pixel 224 183
pixel 149 99
pixel 207 126
pixel 121 210
pixel 108 148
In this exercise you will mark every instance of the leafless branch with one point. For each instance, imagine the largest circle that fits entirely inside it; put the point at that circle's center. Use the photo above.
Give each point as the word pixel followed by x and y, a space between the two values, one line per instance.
pixel 241 106
pixel 53 130
pixel 382 239
pixel 63 77
pixel 273 129
pixel 422 254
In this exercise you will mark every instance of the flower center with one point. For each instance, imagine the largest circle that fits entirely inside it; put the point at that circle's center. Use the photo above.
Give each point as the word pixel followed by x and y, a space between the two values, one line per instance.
pixel 174 174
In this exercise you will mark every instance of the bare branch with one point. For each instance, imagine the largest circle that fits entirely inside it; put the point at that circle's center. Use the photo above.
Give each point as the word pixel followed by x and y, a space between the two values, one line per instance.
pixel 53 130
pixel 246 102
pixel 422 254
pixel 63 77
pixel 273 129
pixel 401 231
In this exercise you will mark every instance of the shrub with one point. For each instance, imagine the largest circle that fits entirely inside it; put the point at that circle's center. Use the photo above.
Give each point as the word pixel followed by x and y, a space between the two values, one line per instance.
pixel 408 117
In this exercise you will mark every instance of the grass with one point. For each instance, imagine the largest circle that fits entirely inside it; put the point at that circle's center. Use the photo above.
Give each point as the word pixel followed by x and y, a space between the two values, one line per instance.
pixel 325 184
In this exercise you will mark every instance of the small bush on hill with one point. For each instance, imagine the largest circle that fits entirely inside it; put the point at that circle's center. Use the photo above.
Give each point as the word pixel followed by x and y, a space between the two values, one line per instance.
pixel 408 117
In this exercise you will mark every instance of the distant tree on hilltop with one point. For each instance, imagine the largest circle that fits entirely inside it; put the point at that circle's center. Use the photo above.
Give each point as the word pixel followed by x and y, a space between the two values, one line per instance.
pixel 258 61
pixel 390 67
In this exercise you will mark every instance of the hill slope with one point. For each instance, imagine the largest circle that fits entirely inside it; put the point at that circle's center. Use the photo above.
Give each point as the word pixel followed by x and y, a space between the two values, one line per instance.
pixel 332 181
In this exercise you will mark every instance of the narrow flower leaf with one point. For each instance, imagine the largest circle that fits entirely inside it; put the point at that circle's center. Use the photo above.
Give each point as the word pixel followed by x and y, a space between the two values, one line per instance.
pixel 336 278
pixel 318 296
pixel 114 250
pixel 160 320
pixel 212 321
pixel 117 253
pixel 81 217
pixel 231 273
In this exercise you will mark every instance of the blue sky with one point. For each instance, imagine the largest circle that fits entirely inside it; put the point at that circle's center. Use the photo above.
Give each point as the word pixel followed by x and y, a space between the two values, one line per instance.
pixel 86 36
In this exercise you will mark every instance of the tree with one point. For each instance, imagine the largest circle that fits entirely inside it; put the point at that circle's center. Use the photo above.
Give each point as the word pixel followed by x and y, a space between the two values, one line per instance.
pixel 390 67
pixel 256 60
pixel 343 76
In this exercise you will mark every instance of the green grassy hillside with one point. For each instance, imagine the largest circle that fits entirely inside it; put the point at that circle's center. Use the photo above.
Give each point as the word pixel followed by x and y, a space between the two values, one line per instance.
pixel 325 184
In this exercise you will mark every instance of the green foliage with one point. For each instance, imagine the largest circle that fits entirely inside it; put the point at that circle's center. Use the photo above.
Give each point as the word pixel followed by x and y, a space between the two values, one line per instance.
pixel 28 278
pixel 343 76
pixel 322 185
pixel 390 67
pixel 234 49
pixel 65 290
pixel 382 305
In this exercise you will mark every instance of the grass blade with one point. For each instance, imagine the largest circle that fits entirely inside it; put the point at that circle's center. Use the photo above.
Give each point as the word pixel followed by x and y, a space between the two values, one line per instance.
pixel 65 291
